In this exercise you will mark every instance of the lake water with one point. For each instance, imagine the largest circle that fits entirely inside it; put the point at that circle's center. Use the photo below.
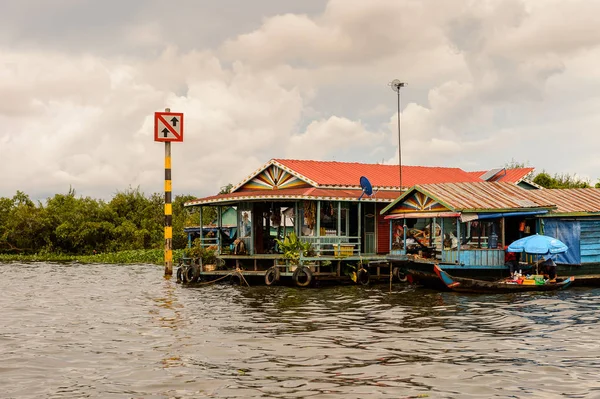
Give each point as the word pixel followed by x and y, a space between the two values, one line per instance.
pixel 124 331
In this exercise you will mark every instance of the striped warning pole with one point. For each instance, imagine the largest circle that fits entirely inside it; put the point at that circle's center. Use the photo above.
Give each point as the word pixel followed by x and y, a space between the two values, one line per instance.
pixel 168 210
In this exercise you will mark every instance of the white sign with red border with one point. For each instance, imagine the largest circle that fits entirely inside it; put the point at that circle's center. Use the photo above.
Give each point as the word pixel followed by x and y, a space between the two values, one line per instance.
pixel 168 126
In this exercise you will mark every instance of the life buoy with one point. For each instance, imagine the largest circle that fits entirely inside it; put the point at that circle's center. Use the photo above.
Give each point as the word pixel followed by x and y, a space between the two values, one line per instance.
pixel 180 274
pixel 272 275
pixel 191 274
pixel 302 276
pixel 399 275
pixel 363 277
pixel 236 278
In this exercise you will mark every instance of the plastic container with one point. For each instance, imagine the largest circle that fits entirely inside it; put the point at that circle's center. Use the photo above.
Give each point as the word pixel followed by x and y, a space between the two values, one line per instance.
pixel 539 280
pixel 493 241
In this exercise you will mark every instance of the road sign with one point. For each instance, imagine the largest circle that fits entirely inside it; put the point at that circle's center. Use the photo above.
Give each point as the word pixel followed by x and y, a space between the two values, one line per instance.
pixel 168 126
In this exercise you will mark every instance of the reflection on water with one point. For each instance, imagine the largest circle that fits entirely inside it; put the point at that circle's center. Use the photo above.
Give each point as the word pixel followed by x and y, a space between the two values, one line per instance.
pixel 72 331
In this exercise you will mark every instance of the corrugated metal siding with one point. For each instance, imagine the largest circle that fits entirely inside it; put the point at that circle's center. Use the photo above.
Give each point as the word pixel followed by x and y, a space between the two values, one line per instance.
pixel 480 257
pixel 383 232
pixel 590 241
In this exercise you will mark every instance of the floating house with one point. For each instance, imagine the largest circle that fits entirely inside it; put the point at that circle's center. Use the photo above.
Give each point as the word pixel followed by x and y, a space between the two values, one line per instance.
pixel 324 204
pixel 465 227
pixel 462 227
pixel 576 222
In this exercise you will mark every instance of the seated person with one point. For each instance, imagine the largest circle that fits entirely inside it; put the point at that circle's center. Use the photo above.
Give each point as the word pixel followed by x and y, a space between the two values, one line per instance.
pixel 450 241
pixel 413 245
pixel 548 268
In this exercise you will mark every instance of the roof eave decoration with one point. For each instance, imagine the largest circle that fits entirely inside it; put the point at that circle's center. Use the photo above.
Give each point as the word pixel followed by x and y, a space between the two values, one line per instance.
pixel 233 200
pixel 265 167
pixel 420 200
pixel 496 210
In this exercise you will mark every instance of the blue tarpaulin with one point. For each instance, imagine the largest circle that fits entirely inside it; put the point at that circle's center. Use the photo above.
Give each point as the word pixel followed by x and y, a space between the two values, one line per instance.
pixel 568 231
pixel 508 214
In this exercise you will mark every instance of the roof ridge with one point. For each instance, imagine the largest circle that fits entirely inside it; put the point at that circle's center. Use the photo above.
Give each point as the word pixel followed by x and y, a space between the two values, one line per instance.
pixel 364 163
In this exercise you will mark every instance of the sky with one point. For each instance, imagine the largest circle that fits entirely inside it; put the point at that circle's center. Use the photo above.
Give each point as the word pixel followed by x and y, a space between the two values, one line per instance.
pixel 488 83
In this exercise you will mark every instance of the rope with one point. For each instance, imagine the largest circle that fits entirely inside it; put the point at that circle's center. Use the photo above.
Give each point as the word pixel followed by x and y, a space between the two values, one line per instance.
pixel 243 278
pixel 224 277
pixel 214 281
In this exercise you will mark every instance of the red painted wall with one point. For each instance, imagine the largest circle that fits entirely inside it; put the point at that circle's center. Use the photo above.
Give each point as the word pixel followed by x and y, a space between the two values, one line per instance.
pixel 383 231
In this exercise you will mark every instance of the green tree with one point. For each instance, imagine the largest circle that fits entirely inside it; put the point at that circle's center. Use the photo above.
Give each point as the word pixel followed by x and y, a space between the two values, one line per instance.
pixel 138 220
pixel 183 217
pixel 22 230
pixel 513 164
pixel 563 180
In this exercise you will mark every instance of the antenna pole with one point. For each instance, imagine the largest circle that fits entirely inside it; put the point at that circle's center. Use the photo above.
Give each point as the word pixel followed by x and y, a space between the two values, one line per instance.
pixel 399 142
pixel 396 86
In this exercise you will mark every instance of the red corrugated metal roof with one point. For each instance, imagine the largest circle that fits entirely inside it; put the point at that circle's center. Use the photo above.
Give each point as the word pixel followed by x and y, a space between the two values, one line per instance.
pixel 331 173
pixel 507 175
pixel 572 200
pixel 297 193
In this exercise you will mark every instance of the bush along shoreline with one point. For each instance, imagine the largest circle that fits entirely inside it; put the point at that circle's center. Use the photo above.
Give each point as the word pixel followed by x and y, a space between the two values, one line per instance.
pixel 138 256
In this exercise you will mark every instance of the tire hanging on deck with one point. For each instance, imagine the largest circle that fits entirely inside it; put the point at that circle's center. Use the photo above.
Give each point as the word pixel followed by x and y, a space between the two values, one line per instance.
pixel 363 277
pixel 272 275
pixel 302 276
pixel 399 275
pixel 180 274
pixel 191 274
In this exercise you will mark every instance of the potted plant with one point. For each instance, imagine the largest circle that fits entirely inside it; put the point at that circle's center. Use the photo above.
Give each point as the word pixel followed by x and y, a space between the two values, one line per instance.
pixel 292 248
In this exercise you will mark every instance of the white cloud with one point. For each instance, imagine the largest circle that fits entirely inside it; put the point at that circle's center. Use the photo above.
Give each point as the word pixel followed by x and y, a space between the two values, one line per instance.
pixel 487 82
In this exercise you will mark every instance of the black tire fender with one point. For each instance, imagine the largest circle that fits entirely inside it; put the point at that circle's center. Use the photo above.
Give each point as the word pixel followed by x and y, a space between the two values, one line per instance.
pixel 180 274
pixel 191 274
pixel 399 275
pixel 363 277
pixel 302 276
pixel 272 275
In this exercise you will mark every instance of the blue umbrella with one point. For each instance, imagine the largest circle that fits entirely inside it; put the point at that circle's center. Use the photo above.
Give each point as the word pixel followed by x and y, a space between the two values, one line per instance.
pixel 539 245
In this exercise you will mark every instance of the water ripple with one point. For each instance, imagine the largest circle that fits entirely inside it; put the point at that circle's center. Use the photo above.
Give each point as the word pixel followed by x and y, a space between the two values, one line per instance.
pixel 124 331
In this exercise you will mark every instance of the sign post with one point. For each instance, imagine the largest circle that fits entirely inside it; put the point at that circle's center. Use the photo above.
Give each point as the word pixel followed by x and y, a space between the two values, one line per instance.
pixel 168 127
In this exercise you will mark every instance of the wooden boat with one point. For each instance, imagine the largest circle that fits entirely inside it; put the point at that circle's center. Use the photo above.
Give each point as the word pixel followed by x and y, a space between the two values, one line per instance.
pixel 503 286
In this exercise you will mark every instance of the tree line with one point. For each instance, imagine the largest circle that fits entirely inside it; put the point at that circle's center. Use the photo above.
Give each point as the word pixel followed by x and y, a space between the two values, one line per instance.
pixel 131 220
pixel 559 180
pixel 67 224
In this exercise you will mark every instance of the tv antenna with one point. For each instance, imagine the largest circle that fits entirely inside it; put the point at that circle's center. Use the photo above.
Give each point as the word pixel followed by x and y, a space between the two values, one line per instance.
pixel 367 188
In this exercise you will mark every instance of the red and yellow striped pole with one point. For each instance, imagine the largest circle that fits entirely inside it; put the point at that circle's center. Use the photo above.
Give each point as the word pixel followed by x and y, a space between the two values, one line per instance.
pixel 168 210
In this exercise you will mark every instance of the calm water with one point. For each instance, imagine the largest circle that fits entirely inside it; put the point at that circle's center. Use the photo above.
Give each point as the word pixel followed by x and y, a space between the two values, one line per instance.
pixel 102 331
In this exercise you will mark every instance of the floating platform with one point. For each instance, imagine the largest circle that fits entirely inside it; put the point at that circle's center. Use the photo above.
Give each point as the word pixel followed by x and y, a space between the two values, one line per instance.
pixel 272 269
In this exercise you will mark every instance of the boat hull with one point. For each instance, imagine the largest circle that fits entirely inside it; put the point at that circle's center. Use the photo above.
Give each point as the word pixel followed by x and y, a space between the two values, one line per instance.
pixel 469 285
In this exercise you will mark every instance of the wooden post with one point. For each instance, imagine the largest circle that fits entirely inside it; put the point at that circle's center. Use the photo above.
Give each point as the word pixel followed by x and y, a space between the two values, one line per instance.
pixel 168 210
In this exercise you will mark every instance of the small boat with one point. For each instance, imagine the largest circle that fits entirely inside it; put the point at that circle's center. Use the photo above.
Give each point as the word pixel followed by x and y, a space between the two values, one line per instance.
pixel 460 284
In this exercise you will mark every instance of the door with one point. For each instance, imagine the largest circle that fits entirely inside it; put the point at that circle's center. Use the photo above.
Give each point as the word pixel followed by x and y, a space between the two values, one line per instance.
pixel 369 226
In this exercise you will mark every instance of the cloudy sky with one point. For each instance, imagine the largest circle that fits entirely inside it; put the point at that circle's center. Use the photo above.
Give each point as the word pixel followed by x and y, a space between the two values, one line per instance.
pixel 488 82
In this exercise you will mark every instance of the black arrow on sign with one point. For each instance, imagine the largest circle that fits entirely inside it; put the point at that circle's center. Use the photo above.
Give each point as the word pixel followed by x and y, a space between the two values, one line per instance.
pixel 165 131
pixel 174 121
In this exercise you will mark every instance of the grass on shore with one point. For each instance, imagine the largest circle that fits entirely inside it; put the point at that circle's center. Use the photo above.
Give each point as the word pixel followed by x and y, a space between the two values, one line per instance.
pixel 152 256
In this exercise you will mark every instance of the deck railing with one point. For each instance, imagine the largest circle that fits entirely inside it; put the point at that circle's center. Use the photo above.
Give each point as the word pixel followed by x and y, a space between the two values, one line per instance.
pixel 336 246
